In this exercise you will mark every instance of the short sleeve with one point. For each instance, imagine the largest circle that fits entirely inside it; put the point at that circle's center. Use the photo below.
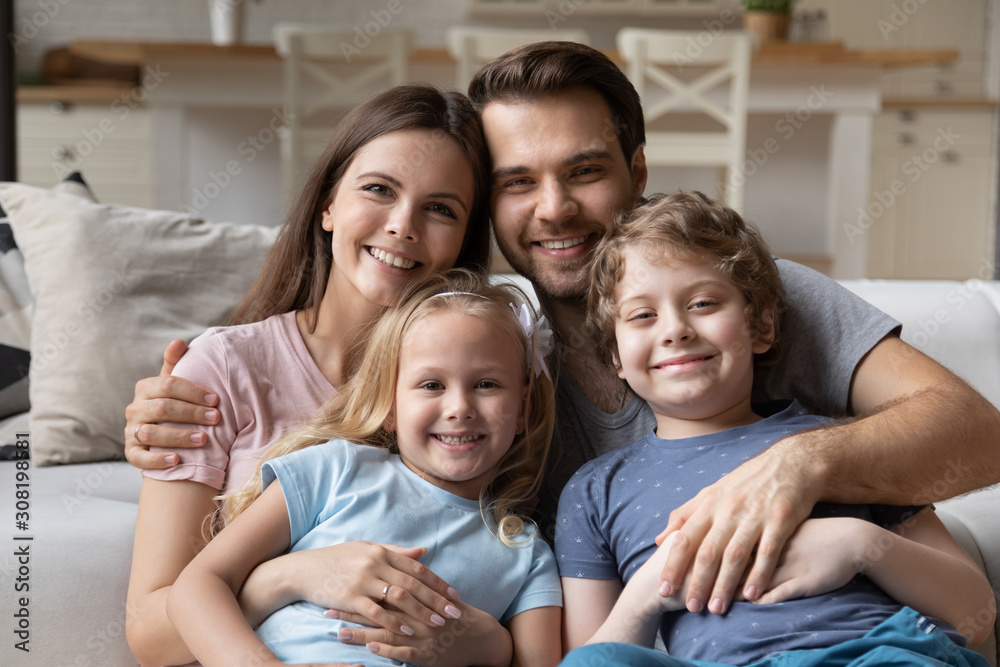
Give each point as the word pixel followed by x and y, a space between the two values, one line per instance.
pixel 205 363
pixel 582 549
pixel 825 332
pixel 307 480
pixel 541 587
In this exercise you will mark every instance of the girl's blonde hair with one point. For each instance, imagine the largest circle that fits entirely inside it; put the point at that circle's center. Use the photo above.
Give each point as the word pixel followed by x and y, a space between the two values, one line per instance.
pixel 358 411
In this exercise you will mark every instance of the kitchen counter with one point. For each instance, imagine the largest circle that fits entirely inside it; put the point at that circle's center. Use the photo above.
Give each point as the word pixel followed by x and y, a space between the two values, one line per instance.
pixel 769 53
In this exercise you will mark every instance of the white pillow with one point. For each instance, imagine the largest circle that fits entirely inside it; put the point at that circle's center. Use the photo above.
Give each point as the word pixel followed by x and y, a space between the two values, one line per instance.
pixel 112 286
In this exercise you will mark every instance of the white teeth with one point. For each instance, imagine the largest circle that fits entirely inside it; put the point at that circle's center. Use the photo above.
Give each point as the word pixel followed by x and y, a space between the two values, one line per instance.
pixel 451 440
pixel 559 245
pixel 390 259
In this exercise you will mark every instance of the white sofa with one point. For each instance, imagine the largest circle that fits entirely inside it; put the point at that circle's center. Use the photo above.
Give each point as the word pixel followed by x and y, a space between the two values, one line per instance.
pixel 82 515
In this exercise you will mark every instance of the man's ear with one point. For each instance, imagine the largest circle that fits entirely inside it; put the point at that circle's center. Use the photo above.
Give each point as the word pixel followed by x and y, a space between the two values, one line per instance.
pixel 640 173
pixel 764 338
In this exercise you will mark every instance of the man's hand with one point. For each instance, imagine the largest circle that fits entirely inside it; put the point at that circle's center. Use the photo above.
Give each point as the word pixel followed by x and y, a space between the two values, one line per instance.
pixel 756 507
pixel 166 398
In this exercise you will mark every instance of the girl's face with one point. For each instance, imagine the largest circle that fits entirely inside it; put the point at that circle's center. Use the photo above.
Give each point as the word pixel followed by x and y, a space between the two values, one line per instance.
pixel 400 210
pixel 459 400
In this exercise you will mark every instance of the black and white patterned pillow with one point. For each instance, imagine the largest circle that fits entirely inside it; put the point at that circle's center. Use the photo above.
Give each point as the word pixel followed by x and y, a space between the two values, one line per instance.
pixel 15 316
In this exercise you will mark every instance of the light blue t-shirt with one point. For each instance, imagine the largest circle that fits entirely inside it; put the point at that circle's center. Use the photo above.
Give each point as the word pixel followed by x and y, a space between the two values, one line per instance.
pixel 340 491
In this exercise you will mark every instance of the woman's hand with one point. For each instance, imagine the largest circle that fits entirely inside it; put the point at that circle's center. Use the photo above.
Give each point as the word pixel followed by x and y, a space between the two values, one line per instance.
pixel 349 579
pixel 821 556
pixel 166 398
pixel 457 643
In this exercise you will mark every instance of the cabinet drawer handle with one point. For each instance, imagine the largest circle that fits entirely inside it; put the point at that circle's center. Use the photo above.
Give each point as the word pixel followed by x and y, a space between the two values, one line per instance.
pixel 905 139
pixel 63 153
pixel 951 157
pixel 943 88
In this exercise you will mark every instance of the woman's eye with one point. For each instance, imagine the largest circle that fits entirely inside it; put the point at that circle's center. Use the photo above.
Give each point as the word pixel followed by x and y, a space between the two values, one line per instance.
pixel 443 209
pixel 378 189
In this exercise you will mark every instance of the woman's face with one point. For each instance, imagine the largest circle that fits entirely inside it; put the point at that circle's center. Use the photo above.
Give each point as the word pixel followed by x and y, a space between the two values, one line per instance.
pixel 400 210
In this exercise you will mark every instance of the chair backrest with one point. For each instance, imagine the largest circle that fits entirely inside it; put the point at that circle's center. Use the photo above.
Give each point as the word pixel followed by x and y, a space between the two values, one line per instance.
pixel 330 67
pixel 678 71
pixel 471 47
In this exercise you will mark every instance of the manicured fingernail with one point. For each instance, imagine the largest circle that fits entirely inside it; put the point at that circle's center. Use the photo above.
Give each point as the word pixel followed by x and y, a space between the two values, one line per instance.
pixel 212 415
pixel 345 635
pixel 406 630
pixel 374 648
pixel 452 611
pixel 331 613
pixel 170 458
pixel 453 594
pixel 694 606
pixel 665 590
pixel 437 620
pixel 716 606
pixel 751 592
pixel 198 438
pixel 210 399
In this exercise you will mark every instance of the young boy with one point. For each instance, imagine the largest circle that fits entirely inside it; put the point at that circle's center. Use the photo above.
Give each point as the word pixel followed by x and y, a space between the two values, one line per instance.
pixel 685 296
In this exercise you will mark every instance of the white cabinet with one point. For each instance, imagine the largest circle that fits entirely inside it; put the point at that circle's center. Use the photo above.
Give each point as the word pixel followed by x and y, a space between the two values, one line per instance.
pixel 929 214
pixel 109 143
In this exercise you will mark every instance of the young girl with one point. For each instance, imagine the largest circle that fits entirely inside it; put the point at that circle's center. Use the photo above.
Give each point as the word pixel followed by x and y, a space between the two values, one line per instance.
pixel 400 192
pixel 436 440
pixel 685 296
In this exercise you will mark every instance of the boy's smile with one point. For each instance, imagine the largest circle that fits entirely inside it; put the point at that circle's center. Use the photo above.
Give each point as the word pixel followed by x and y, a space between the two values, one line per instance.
pixel 683 342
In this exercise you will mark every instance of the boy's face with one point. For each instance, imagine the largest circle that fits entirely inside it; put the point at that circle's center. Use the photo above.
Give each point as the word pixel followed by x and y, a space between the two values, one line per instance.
pixel 684 343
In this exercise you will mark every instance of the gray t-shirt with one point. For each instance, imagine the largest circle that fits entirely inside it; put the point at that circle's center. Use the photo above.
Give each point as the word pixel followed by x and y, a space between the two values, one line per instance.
pixel 825 332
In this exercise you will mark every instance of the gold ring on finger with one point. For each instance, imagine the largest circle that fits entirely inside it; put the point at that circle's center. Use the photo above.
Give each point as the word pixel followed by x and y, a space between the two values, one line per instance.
pixel 385 592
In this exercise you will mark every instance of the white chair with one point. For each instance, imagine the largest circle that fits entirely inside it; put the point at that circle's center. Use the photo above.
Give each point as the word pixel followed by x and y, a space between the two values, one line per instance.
pixel 687 71
pixel 472 47
pixel 327 70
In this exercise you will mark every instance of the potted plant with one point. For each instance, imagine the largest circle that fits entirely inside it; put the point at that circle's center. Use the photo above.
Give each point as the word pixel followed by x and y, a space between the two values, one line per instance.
pixel 768 19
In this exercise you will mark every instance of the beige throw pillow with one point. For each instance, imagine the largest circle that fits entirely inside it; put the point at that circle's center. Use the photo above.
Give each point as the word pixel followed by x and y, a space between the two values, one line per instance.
pixel 112 286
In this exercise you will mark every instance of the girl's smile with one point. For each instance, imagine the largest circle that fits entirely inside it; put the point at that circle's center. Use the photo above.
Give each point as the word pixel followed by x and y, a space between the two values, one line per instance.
pixel 459 400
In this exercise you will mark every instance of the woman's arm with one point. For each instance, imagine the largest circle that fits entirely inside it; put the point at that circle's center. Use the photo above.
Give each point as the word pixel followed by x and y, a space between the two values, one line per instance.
pixel 918 564
pixel 536 637
pixel 168 534
pixel 202 602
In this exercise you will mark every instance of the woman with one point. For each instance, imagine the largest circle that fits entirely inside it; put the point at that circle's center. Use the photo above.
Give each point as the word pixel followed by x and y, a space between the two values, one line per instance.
pixel 401 191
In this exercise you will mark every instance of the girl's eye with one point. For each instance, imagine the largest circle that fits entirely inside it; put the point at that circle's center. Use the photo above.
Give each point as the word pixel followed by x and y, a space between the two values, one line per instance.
pixel 487 384
pixel 432 386
pixel 443 209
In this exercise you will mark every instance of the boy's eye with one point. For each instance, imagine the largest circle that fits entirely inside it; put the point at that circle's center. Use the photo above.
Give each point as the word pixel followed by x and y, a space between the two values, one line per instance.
pixel 703 303
pixel 640 315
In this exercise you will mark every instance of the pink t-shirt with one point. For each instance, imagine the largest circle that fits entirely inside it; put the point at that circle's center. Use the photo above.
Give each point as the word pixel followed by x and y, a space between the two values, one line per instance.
pixel 267 383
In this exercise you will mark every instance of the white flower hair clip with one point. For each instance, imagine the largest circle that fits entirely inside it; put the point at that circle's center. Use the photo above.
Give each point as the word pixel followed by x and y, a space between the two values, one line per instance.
pixel 540 335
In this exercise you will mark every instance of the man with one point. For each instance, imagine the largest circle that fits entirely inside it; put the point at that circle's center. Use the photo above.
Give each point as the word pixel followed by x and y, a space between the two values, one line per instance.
pixel 565 132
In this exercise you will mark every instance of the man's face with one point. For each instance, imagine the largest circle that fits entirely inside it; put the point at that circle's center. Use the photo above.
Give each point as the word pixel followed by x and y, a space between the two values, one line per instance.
pixel 559 178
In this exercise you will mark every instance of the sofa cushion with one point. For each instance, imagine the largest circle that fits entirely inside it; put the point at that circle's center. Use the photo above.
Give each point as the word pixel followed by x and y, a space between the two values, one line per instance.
pixel 112 285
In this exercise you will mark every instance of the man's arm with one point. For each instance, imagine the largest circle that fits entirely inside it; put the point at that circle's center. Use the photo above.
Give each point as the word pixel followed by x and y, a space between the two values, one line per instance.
pixel 926 436
pixel 167 398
